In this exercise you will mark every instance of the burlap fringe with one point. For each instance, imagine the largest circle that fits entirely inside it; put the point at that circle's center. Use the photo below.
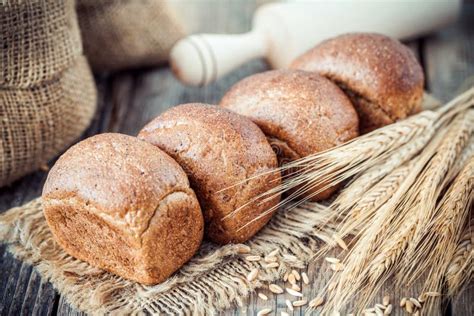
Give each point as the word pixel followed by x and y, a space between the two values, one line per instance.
pixel 214 280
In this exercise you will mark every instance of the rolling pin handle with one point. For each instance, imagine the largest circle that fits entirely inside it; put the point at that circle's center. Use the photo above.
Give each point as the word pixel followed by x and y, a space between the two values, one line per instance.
pixel 200 59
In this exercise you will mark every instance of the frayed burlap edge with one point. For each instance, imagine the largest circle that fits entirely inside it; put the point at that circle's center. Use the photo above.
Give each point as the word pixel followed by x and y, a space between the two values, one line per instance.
pixel 213 280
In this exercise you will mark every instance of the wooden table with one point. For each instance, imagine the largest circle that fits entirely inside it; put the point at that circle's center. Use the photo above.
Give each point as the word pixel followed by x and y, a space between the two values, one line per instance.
pixel 129 99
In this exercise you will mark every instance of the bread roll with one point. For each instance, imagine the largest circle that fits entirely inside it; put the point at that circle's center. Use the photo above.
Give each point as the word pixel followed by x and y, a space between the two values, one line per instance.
pixel 380 75
pixel 220 149
pixel 125 206
pixel 301 113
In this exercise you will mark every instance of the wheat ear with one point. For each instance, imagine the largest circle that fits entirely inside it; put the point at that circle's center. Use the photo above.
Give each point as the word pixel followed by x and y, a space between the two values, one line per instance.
pixel 437 245
pixel 379 248
pixel 460 270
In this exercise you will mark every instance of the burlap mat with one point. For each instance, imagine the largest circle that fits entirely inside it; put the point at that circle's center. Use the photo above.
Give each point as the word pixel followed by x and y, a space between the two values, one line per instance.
pixel 120 34
pixel 47 93
pixel 213 280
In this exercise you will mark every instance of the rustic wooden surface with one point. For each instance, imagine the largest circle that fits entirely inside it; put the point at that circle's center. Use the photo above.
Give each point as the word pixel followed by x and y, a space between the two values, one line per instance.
pixel 130 99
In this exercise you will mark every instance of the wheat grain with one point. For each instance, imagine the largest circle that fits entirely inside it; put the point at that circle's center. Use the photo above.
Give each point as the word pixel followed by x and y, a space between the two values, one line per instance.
pixel 403 301
pixel 296 274
pixel 272 265
pixel 291 278
pixel 300 303
pixel 252 275
pixel 305 278
pixel 273 253
pixel 296 287
pixel 388 310
pixel 263 296
pixel 253 258
pixel 386 300
pixel 275 289
pixel 290 306
pixel 294 293
pixel 264 311
pixel 270 259
pixel 243 249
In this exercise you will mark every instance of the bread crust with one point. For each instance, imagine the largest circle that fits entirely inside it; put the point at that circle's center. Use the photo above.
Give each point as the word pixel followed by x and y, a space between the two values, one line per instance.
pixel 301 113
pixel 381 76
pixel 125 206
pixel 220 149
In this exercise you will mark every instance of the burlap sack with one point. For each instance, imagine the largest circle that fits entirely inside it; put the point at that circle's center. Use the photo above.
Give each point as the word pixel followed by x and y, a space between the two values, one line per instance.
pixel 47 93
pixel 120 34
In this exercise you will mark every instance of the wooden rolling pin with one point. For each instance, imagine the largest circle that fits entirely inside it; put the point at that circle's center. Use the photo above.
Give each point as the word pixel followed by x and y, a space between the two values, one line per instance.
pixel 283 31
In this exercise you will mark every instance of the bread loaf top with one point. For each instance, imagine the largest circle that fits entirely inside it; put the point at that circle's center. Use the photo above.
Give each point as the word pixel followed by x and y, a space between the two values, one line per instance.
pixel 121 177
pixel 305 110
pixel 219 150
pixel 372 66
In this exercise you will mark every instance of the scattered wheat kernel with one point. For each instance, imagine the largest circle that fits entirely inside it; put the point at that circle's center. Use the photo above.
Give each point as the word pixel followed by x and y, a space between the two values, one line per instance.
pixel 386 300
pixel 296 274
pixel 380 306
pixel 300 303
pixel 332 260
pixel 253 258
pixel 369 314
pixel 264 311
pixel 340 242
pixel 273 253
pixel 243 249
pixel 284 313
pixel 337 267
pixel 263 296
pixel 290 257
pixel 272 265
pixel 403 301
pixel 370 310
pixel 409 306
pixel 296 287
pixel 270 259
pixel 252 275
pixel 422 298
pixel 305 278
pixel 415 302
pixel 432 294
pixel 294 293
pixel 285 277
pixel 317 301
pixel 290 306
pixel 388 310
pixel 291 278
pixel 275 289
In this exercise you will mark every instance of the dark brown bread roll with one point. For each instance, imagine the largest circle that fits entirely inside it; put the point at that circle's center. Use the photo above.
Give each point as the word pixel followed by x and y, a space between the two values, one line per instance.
pixel 220 149
pixel 380 75
pixel 125 206
pixel 301 113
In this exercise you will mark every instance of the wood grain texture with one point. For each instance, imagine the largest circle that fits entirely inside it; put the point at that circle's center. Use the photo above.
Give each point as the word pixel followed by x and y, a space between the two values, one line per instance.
pixel 131 98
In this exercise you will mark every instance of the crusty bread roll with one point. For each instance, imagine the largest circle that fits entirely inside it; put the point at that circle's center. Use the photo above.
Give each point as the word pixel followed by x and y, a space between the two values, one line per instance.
pixel 220 149
pixel 125 206
pixel 380 75
pixel 301 113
